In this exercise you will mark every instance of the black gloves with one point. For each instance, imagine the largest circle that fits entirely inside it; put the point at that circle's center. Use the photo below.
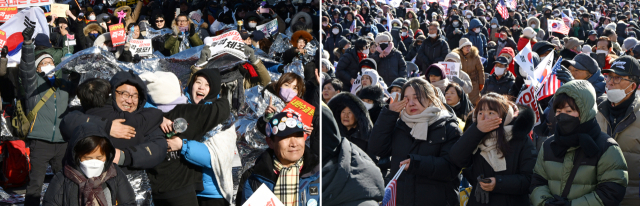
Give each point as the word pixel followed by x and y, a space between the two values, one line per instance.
pixel 558 201
pixel 564 75
pixel 28 33
pixel 5 51
pixel 192 30
pixel 481 195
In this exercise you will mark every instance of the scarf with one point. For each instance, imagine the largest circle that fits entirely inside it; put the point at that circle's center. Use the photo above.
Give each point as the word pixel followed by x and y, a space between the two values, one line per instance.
pixel 286 188
pixel 420 123
pixel 386 51
pixel 489 150
pixel 90 189
pixel 582 136
pixel 361 56
pixel 168 107
pixel 442 84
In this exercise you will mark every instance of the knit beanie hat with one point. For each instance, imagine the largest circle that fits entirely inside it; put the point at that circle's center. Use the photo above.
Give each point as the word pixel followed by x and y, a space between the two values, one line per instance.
pixel 629 43
pixel 383 37
pixel 572 42
pixel 452 56
pixel 163 87
pixel 584 95
pixel 464 42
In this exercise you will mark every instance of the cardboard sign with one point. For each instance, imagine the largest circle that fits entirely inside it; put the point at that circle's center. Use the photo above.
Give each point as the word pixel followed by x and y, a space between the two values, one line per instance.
pixel 125 3
pixel 263 197
pixel 7 12
pixel 3 38
pixel 451 69
pixel 303 109
pixel 59 10
pixel 24 3
pixel 141 47
pixel 269 29
pixel 528 97
pixel 117 34
pixel 227 43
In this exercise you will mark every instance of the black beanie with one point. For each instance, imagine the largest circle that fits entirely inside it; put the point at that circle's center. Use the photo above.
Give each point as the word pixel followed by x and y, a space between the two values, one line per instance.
pixel 374 93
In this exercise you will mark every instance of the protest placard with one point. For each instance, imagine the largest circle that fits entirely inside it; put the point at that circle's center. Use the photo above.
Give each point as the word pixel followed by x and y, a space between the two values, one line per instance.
pixel 7 12
pixel 303 109
pixel 141 47
pixel 263 197
pixel 24 3
pixel 269 29
pixel 451 69
pixel 59 10
pixel 117 34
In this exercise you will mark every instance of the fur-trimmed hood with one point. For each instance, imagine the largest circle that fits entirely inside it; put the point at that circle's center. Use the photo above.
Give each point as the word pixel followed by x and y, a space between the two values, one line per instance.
pixel 346 99
pixel 472 54
pixel 533 20
pixel 300 34
pixel 90 27
pixel 523 123
pixel 307 19
pixel 126 9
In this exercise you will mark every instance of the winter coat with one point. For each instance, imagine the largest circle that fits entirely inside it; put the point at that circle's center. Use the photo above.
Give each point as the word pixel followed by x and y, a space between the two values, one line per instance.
pixel 598 83
pixel 63 191
pixel 512 184
pixel 413 52
pixel 415 25
pixel 149 146
pixel 454 38
pixel 626 134
pixel 173 43
pixel 83 38
pixel 500 86
pixel 47 120
pixel 262 173
pixel 585 27
pixel 390 67
pixel 359 135
pixel 132 16
pixel 340 160
pixel 540 33
pixel 509 43
pixel 472 65
pixel 332 42
pixel 431 177
pixel 348 67
pixel 397 41
pixel 347 24
pixel 432 51
pixel 478 40
pixel 407 41
pixel 522 42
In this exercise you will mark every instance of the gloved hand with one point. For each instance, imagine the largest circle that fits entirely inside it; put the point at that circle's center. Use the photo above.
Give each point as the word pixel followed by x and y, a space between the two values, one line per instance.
pixel 557 201
pixel 136 58
pixel 564 75
pixel 481 195
pixel 27 33
pixel 127 46
pixel 5 51
pixel 458 81
pixel 192 30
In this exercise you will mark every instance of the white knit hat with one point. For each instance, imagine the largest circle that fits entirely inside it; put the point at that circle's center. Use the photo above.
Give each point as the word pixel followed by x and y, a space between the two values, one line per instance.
pixel 529 32
pixel 586 49
pixel 464 42
pixel 611 26
pixel 383 37
pixel 163 87
pixel 629 43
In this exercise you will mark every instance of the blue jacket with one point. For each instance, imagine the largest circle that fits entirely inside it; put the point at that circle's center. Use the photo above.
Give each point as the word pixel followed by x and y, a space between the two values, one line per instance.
pixel 477 39
pixel 263 173
pixel 198 154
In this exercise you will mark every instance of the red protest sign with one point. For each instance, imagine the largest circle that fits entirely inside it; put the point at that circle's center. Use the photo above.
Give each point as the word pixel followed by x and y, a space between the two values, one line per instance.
pixel 7 12
pixel 301 108
pixel 117 34
pixel 3 38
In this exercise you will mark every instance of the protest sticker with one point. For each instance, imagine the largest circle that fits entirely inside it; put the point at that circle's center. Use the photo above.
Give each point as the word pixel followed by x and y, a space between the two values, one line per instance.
pixel 7 12
pixel 269 28
pixel 141 47
pixel 263 197
pixel 451 69
pixel 303 109
pixel 117 34
pixel 59 10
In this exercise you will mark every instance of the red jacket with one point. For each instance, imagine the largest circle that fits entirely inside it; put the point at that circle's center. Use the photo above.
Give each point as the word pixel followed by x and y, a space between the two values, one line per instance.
pixel 523 42
pixel 509 51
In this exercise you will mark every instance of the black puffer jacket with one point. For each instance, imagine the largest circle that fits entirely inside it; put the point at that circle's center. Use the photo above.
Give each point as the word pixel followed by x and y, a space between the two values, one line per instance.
pixel 512 185
pixel 500 86
pixel 432 51
pixel 391 66
pixel 454 39
pixel 348 67
pixel 359 135
pixel 332 42
pixel 431 176
pixel 63 191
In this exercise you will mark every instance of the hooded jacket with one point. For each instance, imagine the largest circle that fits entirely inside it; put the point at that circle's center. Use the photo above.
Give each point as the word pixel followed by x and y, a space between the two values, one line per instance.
pixel 540 32
pixel 512 184
pixel 500 86
pixel 83 37
pixel 173 43
pixel 602 175
pixel 431 177
pixel 359 135
pixel 415 25
pixel 63 191
pixel 454 38
pixel 432 51
pixel 477 39
pixel 391 66
pixel 132 16
pixel 472 65
pixel 341 161
pixel 348 67
pixel 444 81
pixel 332 42
pixel 171 177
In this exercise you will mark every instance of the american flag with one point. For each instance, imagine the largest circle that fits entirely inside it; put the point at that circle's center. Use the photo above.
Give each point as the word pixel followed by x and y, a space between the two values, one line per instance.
pixel 389 198
pixel 512 4
pixel 567 19
pixel 558 26
pixel 551 83
pixel 502 9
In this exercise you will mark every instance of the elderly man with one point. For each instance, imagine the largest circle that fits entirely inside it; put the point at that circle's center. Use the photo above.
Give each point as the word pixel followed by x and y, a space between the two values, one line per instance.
pixel 289 170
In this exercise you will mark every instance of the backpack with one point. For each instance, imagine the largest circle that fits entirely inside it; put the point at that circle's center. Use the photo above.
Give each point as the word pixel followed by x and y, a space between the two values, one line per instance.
pixel 15 163
pixel 22 122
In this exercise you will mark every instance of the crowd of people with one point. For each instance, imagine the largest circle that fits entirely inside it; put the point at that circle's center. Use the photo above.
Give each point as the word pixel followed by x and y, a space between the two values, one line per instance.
pixel 432 87
pixel 132 123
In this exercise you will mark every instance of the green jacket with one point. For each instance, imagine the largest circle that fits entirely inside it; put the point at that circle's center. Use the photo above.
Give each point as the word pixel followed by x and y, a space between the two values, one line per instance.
pixel 56 53
pixel 172 44
pixel 47 121
pixel 600 180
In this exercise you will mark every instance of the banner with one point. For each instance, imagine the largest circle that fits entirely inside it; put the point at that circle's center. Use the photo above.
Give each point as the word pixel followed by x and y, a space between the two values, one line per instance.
pixel 125 3
pixel 24 3
pixel 303 109
pixel 227 43
pixel 528 97
pixel 262 196
pixel 451 69
pixel 393 3
pixel 3 38
pixel 141 47
pixel 59 10
pixel 7 12
pixel 117 34
pixel 14 27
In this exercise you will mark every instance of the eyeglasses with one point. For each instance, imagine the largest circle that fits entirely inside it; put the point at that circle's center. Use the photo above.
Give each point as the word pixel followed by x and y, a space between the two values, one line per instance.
pixel 126 95
pixel 159 21
pixel 616 79
pixel 182 21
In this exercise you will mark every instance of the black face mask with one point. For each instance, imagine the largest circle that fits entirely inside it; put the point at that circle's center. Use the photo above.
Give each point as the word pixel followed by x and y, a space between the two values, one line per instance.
pixel 567 123
pixel 384 46
pixel 547 14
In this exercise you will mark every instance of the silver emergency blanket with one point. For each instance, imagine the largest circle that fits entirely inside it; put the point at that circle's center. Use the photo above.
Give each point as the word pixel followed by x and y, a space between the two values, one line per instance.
pixel 141 187
pixel 279 46
pixel 5 127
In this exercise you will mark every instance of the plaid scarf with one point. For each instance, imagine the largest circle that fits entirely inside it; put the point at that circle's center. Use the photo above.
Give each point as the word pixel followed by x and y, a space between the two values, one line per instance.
pixel 286 188
pixel 90 189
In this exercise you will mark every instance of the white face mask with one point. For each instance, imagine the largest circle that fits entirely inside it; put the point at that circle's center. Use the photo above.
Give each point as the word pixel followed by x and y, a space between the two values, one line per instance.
pixel 468 16
pixel 404 33
pixel 393 95
pixel 253 25
pixel 92 168
pixel 367 105
pixel 433 35
pixel 365 52
pixel 602 52
pixel 335 31
pixel 456 24
pixel 92 18
pixel 613 18
pixel 47 69
pixel 533 26
pixel 499 70
pixel 494 26
pixel 477 30
pixel 616 95
pixel 324 24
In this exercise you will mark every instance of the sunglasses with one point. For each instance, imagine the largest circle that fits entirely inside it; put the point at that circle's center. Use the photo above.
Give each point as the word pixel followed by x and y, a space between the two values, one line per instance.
pixel 159 21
